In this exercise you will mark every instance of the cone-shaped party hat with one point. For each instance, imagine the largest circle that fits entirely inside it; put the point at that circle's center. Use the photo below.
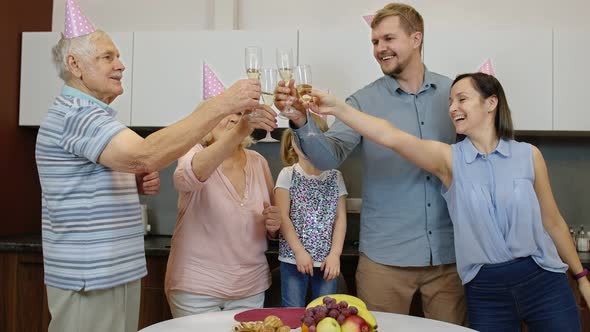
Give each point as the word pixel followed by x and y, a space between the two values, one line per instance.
pixel 76 24
pixel 368 19
pixel 212 86
pixel 487 68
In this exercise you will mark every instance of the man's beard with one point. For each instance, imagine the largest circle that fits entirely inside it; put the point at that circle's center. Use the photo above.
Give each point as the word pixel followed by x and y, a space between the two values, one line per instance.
pixel 396 71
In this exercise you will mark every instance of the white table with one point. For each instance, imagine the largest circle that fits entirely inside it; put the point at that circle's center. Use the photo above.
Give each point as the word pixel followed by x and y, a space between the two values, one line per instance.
pixel 224 320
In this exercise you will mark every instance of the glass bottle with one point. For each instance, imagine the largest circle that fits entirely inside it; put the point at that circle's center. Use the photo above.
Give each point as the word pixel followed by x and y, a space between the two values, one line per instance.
pixel 573 235
pixel 582 241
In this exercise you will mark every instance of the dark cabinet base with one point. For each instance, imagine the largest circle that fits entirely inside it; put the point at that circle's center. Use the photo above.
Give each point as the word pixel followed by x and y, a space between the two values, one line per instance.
pixel 23 298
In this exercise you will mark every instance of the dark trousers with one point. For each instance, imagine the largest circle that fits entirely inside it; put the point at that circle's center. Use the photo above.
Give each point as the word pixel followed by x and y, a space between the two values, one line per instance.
pixel 503 295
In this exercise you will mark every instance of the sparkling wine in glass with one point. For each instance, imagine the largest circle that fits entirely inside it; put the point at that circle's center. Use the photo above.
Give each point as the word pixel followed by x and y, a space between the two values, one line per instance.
pixel 285 63
pixel 302 76
pixel 268 84
pixel 253 61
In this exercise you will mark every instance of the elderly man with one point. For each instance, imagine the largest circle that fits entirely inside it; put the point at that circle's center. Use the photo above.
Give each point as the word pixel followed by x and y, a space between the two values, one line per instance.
pixel 93 244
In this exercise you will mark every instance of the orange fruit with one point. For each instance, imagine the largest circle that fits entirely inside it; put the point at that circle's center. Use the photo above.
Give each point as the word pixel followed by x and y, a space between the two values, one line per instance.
pixel 304 328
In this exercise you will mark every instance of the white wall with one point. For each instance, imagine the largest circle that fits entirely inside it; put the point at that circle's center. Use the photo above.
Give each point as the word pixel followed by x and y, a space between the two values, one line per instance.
pixel 138 15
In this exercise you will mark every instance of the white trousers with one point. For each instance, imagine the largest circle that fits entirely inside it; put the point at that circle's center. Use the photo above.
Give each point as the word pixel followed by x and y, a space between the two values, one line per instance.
pixel 185 304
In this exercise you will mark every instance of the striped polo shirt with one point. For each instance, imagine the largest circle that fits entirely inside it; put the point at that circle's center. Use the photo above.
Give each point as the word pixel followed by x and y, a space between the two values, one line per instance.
pixel 91 219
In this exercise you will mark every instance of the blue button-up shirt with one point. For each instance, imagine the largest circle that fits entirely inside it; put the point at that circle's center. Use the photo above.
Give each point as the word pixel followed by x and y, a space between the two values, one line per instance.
pixel 404 219
pixel 495 211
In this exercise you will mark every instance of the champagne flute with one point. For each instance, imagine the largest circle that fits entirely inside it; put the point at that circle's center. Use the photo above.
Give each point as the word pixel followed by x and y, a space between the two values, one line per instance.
pixel 268 84
pixel 285 65
pixel 302 75
pixel 253 61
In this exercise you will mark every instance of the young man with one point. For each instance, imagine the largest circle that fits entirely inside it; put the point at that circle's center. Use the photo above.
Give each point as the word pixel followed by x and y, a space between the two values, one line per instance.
pixel 406 236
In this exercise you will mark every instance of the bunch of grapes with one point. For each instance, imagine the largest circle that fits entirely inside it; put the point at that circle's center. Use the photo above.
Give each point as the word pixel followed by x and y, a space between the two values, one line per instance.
pixel 337 310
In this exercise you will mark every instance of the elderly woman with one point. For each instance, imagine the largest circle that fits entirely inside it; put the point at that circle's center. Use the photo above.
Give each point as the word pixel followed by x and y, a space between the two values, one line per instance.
pixel 225 215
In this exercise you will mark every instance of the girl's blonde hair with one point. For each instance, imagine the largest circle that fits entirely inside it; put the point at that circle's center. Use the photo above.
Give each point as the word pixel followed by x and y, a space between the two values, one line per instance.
pixel 288 154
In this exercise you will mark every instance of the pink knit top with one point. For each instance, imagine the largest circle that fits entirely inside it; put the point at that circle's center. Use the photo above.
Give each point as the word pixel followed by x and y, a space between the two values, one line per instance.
pixel 219 242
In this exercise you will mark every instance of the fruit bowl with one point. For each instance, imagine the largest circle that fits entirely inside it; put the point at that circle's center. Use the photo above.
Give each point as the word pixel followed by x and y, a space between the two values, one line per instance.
pixel 338 313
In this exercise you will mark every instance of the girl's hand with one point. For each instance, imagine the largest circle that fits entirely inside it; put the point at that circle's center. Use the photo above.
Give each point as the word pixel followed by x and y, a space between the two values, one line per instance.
pixel 584 287
pixel 272 219
pixel 304 262
pixel 331 267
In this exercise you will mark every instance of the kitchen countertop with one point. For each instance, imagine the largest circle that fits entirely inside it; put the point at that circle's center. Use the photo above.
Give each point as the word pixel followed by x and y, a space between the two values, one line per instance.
pixel 155 245
pixel 159 245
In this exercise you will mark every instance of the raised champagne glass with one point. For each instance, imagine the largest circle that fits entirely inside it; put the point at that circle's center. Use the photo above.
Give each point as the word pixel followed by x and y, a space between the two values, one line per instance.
pixel 302 76
pixel 285 63
pixel 268 84
pixel 253 61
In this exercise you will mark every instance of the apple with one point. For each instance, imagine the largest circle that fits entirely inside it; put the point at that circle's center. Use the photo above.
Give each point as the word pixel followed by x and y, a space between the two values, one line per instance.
pixel 355 323
pixel 328 324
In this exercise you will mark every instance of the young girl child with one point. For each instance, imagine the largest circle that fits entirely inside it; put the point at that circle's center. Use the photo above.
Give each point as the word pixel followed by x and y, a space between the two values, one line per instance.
pixel 314 224
pixel 512 244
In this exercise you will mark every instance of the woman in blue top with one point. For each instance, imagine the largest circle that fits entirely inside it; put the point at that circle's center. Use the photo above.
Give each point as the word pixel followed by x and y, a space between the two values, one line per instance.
pixel 511 241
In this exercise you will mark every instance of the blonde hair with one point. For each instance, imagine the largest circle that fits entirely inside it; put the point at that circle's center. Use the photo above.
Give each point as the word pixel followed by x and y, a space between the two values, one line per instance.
pixel 208 140
pixel 288 154
pixel 410 20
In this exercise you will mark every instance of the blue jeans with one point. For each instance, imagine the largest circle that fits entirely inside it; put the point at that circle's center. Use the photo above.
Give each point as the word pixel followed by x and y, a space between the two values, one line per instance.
pixel 503 295
pixel 294 285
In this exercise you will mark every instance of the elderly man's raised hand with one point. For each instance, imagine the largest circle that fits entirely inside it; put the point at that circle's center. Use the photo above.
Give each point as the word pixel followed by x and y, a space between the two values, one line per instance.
pixel 241 96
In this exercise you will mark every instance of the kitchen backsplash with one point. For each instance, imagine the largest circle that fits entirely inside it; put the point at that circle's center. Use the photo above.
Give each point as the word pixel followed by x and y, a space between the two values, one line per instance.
pixel 568 162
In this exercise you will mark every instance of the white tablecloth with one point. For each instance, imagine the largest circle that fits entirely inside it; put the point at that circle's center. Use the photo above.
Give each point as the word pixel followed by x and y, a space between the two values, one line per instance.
pixel 223 321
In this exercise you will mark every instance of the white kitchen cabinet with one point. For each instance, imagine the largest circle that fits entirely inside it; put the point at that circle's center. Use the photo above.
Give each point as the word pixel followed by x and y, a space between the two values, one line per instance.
pixel 167 81
pixel 571 109
pixel 522 60
pixel 342 61
pixel 40 84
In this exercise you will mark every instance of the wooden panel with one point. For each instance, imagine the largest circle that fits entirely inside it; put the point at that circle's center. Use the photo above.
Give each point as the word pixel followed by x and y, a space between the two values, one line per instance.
pixel 154 306
pixel 8 263
pixel 22 207
pixel 32 313
pixel 156 267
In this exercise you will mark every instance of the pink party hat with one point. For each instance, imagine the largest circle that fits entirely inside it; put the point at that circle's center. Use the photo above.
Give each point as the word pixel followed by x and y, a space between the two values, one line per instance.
pixel 368 19
pixel 76 24
pixel 487 68
pixel 212 86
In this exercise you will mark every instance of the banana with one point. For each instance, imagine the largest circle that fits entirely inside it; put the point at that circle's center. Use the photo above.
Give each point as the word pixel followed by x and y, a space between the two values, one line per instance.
pixel 351 300
pixel 369 318
pixel 363 312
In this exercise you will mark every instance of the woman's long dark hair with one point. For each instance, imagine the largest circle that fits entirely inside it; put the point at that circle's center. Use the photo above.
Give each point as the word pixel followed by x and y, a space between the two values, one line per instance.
pixel 487 86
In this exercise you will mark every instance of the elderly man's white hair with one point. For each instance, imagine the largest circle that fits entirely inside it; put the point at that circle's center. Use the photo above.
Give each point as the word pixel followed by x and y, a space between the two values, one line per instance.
pixel 81 47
